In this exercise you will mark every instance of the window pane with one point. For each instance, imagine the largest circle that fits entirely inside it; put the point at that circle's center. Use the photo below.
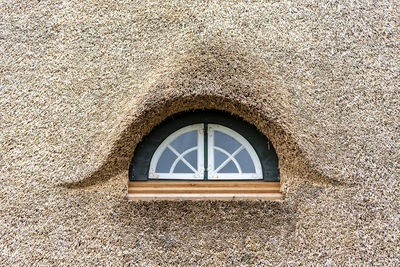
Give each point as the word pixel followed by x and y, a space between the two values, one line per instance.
pixel 225 141
pixel 191 157
pixel 185 141
pixel 165 162
pixel 182 168
pixel 229 168
pixel 245 162
pixel 219 158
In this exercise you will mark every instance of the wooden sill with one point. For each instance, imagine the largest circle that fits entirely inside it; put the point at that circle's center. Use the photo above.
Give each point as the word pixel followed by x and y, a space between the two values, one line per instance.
pixel 171 190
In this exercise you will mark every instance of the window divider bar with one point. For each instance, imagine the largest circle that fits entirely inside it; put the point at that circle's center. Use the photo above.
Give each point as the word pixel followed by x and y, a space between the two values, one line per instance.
pixel 205 151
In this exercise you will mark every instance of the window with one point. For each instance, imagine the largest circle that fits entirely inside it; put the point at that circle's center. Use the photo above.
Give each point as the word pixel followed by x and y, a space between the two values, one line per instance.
pixel 205 152
pixel 203 155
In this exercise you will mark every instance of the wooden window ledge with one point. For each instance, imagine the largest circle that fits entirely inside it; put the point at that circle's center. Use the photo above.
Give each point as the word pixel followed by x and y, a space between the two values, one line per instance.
pixel 211 190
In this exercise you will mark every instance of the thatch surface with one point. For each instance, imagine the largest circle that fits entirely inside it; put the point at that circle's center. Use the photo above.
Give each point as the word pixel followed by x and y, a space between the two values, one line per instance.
pixel 82 82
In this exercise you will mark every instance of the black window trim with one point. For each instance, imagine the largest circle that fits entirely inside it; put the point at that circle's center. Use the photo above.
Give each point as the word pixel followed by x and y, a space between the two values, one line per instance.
pixel 140 163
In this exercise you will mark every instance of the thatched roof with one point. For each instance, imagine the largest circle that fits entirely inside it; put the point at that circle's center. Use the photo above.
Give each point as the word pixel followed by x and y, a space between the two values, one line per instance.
pixel 82 82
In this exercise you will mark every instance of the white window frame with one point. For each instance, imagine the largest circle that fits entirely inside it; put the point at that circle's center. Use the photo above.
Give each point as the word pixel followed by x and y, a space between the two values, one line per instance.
pixel 198 174
pixel 212 172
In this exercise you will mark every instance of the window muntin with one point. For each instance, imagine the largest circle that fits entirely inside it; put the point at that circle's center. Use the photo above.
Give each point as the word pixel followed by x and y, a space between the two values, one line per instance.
pixel 184 154
pixel 180 155
pixel 231 156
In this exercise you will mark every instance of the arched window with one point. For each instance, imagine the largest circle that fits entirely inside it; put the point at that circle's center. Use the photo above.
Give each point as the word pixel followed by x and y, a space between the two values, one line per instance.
pixel 205 152
pixel 204 146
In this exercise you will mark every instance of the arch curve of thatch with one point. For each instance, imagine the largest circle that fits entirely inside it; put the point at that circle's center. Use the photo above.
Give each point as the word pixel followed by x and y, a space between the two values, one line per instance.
pixel 217 79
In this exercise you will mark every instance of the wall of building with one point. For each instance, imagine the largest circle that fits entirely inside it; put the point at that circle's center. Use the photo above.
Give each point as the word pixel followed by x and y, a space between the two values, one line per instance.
pixel 82 82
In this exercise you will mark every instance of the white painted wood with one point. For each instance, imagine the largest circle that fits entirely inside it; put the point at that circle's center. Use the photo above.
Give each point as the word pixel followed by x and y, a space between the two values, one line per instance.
pixel 198 170
pixel 181 157
pixel 213 173
pixel 231 157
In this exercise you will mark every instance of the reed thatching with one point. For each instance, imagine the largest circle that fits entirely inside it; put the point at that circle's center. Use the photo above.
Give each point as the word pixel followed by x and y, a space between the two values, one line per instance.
pixel 81 83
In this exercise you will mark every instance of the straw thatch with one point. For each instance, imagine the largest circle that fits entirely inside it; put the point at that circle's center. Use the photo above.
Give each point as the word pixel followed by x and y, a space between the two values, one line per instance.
pixel 82 82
